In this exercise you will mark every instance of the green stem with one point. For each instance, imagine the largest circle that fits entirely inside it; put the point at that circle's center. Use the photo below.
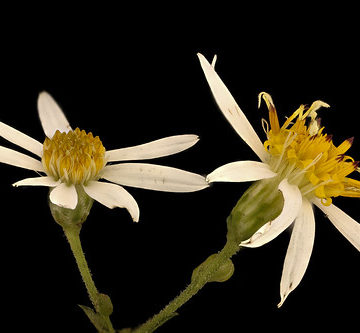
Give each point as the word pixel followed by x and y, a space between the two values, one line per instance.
pixel 72 234
pixel 202 278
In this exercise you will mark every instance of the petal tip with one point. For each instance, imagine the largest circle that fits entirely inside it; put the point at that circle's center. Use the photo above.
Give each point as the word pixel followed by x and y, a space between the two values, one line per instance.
pixel 214 61
pixel 209 178
pixel 282 300
pixel 202 59
pixel 194 138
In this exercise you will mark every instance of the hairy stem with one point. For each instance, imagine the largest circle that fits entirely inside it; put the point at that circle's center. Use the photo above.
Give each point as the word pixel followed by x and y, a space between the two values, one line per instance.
pixel 73 236
pixel 196 284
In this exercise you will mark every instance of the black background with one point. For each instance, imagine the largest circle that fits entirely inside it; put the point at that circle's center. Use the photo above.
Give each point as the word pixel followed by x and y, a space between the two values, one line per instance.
pixel 132 80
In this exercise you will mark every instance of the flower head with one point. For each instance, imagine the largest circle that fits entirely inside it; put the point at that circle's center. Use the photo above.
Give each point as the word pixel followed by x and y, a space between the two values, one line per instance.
pixel 74 157
pixel 300 151
pixel 73 161
pixel 298 159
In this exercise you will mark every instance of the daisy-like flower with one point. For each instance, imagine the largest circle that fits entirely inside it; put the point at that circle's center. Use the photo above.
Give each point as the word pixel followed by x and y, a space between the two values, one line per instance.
pixel 73 161
pixel 303 163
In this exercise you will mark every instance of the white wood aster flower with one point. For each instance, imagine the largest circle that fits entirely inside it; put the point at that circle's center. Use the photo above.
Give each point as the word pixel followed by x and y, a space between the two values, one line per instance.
pixel 73 158
pixel 310 168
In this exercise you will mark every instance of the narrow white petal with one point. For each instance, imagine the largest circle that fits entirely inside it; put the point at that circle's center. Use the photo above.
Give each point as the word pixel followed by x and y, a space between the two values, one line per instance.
pixel 65 196
pixel 21 139
pixel 231 110
pixel 242 171
pixel 343 222
pixel 38 181
pixel 299 251
pixel 158 148
pixel 111 196
pixel 51 116
pixel 292 205
pixel 154 177
pixel 15 158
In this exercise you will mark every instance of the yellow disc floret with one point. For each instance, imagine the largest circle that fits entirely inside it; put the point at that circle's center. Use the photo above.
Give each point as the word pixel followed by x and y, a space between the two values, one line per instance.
pixel 74 157
pixel 301 152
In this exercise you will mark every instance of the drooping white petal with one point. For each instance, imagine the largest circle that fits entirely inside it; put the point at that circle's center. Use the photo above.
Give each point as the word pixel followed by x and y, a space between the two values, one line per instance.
pixel 21 139
pixel 64 195
pixel 51 116
pixel 299 251
pixel 15 158
pixel 158 148
pixel 343 222
pixel 292 205
pixel 241 171
pixel 38 181
pixel 154 177
pixel 231 110
pixel 111 196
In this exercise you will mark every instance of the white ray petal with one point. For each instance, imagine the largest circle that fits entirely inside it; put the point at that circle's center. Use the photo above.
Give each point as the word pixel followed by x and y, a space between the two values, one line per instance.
pixel 292 205
pixel 111 196
pixel 158 148
pixel 241 171
pixel 343 222
pixel 15 158
pixel 11 134
pixel 65 196
pixel 154 177
pixel 299 251
pixel 231 110
pixel 51 116
pixel 38 181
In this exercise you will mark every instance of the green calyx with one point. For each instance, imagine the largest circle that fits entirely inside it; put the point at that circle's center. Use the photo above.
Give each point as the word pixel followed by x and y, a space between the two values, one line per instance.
pixel 260 204
pixel 72 217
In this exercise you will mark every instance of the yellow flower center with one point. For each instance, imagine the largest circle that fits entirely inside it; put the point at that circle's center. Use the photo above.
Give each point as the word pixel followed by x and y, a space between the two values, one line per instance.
pixel 74 157
pixel 301 152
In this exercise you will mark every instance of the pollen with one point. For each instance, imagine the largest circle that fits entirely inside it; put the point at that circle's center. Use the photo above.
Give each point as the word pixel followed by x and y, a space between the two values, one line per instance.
pixel 74 157
pixel 300 151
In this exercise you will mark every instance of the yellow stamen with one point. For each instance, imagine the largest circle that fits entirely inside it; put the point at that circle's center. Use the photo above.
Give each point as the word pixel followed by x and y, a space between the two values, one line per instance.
pixel 311 112
pixel 293 116
pixel 274 121
pixel 74 157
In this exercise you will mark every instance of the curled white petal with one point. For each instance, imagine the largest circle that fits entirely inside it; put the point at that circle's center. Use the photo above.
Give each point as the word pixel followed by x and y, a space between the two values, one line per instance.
pixel 299 251
pixel 158 148
pixel 349 228
pixel 154 177
pixel 11 134
pixel 15 158
pixel 241 171
pixel 292 205
pixel 64 195
pixel 38 181
pixel 111 196
pixel 231 110
pixel 51 116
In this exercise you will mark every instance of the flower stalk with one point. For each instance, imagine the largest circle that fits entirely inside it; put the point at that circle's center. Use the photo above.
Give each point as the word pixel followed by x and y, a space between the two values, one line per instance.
pixel 101 302
pixel 71 221
pixel 202 278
